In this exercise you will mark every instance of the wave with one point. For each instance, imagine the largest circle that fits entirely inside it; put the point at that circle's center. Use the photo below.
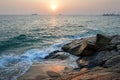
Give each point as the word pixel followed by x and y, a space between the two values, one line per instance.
pixel 87 33
pixel 12 67
pixel 17 41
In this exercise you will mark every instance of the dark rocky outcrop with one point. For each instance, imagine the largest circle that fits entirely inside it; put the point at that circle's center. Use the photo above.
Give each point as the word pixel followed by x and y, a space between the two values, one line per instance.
pixel 99 59
pixel 102 51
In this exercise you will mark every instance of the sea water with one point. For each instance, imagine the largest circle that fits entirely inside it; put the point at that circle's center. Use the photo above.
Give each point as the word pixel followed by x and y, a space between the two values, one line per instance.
pixel 27 39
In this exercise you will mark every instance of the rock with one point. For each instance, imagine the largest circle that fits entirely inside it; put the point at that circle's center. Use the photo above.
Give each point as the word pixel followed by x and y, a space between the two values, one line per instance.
pixel 84 62
pixel 53 74
pixel 115 39
pixel 84 69
pixel 58 55
pixel 110 47
pixel 102 40
pixel 113 62
pixel 39 77
pixel 52 54
pixel 101 57
pixel 94 74
pixel 74 44
pixel 118 47
pixel 99 76
pixel 85 47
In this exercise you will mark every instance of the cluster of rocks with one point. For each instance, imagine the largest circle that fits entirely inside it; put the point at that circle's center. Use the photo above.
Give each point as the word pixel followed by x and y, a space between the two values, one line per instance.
pixel 99 59
pixel 100 51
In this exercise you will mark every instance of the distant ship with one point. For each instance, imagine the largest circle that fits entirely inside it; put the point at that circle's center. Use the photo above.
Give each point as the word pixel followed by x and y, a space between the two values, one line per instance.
pixel 111 14
pixel 60 14
pixel 34 14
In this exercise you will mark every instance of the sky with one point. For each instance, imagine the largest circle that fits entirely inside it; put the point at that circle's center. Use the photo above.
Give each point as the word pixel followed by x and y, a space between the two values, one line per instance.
pixel 45 7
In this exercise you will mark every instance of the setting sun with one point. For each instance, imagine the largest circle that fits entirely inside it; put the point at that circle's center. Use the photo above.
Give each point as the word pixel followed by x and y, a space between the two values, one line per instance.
pixel 53 7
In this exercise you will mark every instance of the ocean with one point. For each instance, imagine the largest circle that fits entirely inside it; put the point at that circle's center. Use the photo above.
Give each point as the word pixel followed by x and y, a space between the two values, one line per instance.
pixel 27 39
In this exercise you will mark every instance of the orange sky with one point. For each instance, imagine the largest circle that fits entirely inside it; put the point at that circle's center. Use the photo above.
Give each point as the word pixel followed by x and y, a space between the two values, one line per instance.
pixel 63 6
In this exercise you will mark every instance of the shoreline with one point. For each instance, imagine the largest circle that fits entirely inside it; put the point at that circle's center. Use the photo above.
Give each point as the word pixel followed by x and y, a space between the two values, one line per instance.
pixel 98 56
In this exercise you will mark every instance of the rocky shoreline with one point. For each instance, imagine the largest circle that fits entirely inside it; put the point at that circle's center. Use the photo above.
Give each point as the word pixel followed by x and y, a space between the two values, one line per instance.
pixel 99 59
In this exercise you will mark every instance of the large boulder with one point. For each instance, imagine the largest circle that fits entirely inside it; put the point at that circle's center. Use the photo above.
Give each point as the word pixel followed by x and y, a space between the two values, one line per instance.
pixel 87 48
pixel 75 44
pixel 102 40
pixel 81 47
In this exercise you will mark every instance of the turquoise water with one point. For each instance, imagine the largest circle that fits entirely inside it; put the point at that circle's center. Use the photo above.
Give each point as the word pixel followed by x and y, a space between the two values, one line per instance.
pixel 26 39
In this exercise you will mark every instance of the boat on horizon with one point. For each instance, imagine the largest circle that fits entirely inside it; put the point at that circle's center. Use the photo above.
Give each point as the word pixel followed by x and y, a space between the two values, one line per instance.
pixel 34 14
pixel 111 14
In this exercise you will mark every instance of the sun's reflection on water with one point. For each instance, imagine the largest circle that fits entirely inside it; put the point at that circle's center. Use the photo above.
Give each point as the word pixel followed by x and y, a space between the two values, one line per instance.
pixel 53 22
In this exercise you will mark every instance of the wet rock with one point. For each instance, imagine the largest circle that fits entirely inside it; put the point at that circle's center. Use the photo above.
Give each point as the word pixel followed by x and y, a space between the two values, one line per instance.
pixel 82 47
pixel 102 40
pixel 84 69
pixel 53 74
pixel 39 77
pixel 87 48
pixel 58 55
pixel 84 62
pixel 52 54
pixel 72 45
pixel 77 43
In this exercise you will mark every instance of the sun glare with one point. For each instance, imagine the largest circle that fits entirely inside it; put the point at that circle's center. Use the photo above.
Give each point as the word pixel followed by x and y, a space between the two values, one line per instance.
pixel 53 7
